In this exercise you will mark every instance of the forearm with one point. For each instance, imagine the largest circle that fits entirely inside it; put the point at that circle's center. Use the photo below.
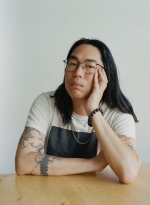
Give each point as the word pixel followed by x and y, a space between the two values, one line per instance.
pixel 124 161
pixel 41 164
pixel 29 159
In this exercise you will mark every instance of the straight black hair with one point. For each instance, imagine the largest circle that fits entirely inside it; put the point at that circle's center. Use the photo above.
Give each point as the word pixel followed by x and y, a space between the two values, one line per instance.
pixel 112 95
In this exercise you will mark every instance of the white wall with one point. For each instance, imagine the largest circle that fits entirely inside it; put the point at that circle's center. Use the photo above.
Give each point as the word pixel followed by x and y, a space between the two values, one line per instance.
pixel 35 36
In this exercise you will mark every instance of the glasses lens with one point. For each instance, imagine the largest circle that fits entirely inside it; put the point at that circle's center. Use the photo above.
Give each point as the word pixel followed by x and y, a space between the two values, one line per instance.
pixel 71 65
pixel 90 67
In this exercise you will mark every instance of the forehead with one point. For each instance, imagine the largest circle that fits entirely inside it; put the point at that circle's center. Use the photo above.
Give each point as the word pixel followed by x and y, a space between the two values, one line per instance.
pixel 85 51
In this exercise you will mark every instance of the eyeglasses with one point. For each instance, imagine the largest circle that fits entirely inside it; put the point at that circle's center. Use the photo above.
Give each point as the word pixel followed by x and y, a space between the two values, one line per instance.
pixel 88 66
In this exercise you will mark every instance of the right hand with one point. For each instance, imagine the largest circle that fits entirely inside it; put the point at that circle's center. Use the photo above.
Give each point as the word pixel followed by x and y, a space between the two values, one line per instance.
pixel 99 162
pixel 99 85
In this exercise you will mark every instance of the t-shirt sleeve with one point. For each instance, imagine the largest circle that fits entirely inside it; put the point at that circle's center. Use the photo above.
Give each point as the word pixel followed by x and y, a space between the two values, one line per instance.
pixel 121 124
pixel 38 117
pixel 124 124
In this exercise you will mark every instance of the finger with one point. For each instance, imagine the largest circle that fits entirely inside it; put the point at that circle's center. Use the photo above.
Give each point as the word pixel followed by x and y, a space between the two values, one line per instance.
pixel 96 82
pixel 100 75
pixel 124 137
pixel 102 78
pixel 104 75
pixel 126 140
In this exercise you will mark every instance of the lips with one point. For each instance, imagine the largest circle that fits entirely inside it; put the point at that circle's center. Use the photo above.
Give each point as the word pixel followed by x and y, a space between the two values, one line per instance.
pixel 76 84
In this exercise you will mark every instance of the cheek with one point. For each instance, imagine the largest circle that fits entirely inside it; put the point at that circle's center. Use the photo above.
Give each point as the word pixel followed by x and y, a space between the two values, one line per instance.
pixel 89 81
pixel 67 76
pixel 89 85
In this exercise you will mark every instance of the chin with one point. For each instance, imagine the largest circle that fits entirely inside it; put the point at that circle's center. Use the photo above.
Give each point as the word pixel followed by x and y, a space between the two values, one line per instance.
pixel 75 94
pixel 78 95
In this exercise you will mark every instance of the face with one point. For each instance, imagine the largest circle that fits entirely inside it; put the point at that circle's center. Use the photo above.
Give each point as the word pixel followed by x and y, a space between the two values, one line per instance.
pixel 78 83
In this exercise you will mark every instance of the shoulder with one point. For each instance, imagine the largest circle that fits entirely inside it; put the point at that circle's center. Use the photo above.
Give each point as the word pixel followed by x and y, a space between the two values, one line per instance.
pixel 45 96
pixel 45 99
pixel 41 112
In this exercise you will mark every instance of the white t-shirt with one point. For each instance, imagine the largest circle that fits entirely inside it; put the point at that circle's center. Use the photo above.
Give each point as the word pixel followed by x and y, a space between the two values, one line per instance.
pixel 45 117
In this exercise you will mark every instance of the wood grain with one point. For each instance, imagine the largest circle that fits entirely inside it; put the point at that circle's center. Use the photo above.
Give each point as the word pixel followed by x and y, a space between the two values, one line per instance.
pixel 83 189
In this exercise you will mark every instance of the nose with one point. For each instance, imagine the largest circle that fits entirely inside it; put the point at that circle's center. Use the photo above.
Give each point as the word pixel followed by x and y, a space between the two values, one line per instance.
pixel 79 72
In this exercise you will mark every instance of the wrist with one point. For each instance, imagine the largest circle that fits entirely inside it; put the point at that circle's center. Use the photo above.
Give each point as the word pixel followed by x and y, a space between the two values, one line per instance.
pixel 90 110
pixel 93 164
pixel 99 162
pixel 92 114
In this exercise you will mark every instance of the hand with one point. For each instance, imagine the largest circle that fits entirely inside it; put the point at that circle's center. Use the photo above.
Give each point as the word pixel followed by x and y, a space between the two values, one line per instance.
pixel 99 162
pixel 126 140
pixel 99 85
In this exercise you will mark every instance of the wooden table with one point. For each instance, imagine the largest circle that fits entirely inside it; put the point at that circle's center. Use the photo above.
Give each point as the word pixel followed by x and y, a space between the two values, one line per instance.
pixel 84 189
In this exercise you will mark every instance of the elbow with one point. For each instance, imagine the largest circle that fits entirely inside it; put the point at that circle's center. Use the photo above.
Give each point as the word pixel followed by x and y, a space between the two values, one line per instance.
pixel 129 173
pixel 127 178
pixel 19 167
pixel 19 171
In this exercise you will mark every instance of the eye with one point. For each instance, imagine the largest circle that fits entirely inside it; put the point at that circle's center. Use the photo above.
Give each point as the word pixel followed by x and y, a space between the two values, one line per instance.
pixel 89 66
pixel 72 63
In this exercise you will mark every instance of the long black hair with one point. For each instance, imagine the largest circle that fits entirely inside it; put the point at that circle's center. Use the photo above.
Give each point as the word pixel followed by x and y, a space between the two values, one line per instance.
pixel 112 95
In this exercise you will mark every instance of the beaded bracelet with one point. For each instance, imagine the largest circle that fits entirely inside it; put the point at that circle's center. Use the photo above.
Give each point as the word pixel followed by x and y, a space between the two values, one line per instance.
pixel 91 115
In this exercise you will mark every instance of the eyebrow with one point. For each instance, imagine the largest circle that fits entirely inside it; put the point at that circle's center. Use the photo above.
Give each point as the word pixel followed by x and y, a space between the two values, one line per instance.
pixel 90 60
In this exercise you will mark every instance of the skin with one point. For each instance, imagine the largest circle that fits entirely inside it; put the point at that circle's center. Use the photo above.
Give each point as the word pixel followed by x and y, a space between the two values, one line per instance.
pixel 86 91
pixel 124 160
pixel 79 84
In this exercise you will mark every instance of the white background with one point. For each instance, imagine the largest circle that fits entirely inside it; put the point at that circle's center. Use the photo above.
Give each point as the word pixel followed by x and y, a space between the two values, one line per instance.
pixel 35 36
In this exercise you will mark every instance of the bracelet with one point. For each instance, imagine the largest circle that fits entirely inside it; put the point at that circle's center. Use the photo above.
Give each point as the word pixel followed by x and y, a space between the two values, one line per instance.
pixel 91 115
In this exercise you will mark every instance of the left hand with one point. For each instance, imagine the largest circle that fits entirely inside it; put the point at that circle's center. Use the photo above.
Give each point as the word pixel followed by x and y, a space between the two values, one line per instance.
pixel 99 85
pixel 126 140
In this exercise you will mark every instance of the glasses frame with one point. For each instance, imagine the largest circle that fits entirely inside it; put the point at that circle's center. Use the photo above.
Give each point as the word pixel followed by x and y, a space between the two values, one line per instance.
pixel 78 63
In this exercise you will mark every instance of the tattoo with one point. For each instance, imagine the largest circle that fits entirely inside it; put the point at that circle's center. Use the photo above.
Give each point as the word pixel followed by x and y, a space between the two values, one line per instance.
pixel 44 161
pixel 25 137
pixel 28 135
pixel 131 147
pixel 39 147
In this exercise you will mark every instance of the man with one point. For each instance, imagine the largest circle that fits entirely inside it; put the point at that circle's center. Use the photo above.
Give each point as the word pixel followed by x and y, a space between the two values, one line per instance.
pixel 83 126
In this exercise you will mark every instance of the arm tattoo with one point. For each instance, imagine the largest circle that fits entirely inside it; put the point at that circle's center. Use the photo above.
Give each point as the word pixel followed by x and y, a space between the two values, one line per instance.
pixel 131 147
pixel 44 161
pixel 27 136
pixel 39 147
